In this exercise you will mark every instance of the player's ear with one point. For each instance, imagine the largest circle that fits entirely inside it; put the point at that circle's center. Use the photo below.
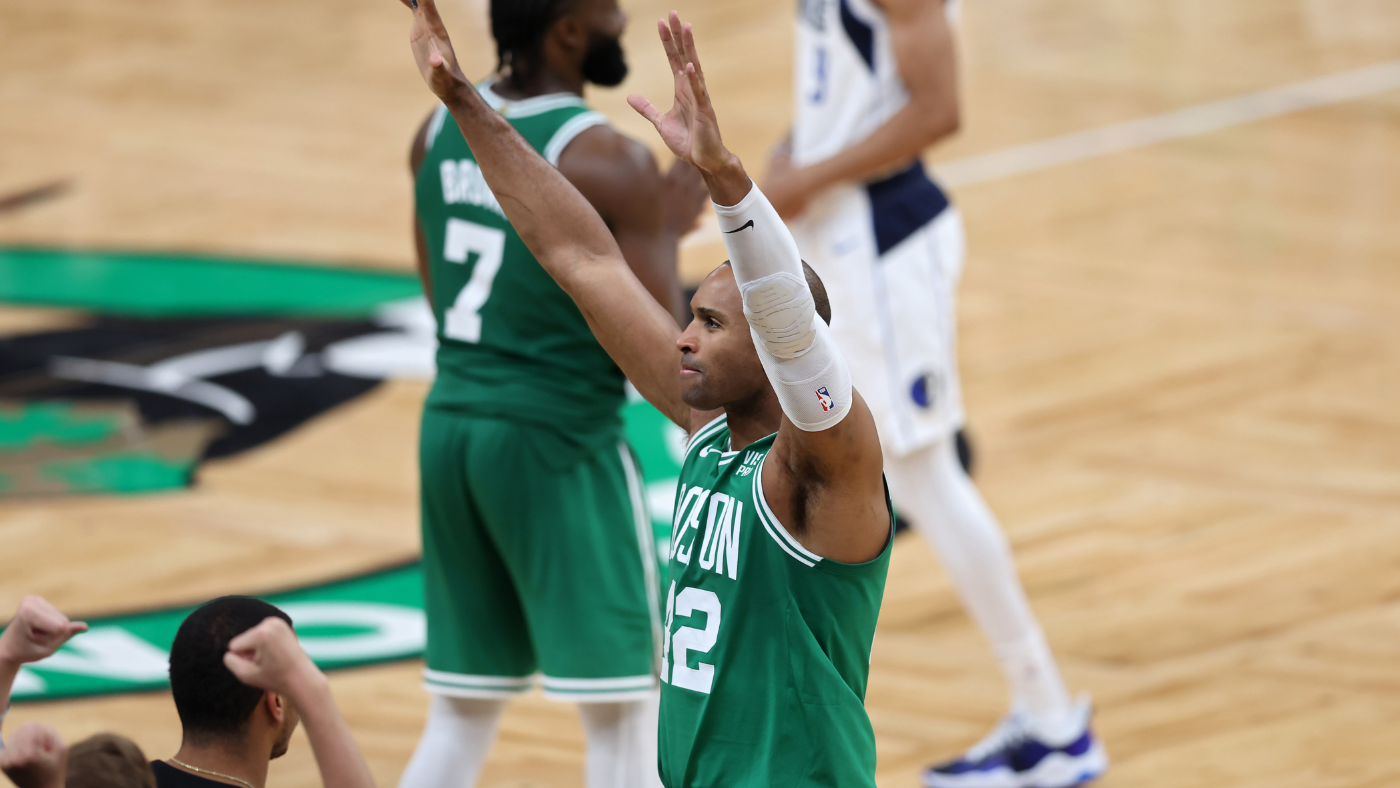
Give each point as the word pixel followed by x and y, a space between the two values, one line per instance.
pixel 276 706
pixel 571 33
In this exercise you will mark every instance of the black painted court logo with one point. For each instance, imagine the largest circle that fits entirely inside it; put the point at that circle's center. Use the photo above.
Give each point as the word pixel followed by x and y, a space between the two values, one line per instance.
pixel 135 401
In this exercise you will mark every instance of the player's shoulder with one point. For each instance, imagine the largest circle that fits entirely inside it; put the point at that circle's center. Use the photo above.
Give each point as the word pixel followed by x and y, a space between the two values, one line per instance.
pixel 616 173
pixel 605 147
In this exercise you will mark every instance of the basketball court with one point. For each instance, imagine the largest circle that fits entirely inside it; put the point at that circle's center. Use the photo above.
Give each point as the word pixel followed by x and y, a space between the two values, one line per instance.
pixel 1179 341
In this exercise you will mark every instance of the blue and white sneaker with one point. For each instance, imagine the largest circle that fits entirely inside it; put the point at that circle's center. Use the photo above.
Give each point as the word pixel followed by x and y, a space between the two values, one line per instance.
pixel 1017 756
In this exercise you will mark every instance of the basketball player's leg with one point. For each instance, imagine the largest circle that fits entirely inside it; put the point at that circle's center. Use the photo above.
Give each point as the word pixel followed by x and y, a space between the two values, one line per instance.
pixel 946 509
pixel 456 740
pixel 581 550
pixel 479 651
pixel 621 743
pixel 1049 733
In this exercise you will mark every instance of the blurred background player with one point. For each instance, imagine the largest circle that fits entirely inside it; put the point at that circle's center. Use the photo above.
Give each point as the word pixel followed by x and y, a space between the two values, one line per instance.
pixel 876 84
pixel 537 550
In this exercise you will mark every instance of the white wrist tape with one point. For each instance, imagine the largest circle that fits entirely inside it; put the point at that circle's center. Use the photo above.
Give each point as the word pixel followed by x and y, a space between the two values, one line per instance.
pixel 794 344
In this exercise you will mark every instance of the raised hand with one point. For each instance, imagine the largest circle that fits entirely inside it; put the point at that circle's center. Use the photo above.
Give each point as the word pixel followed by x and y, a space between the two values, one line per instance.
pixel 690 129
pixel 35 758
pixel 269 657
pixel 432 49
pixel 37 631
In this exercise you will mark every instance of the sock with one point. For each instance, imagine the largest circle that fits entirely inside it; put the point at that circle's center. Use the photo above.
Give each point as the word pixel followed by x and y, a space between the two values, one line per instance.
pixel 931 489
pixel 456 740
pixel 621 743
pixel 1036 684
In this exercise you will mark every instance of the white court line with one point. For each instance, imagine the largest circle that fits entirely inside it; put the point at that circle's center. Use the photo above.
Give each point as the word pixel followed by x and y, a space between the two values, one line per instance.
pixel 1200 119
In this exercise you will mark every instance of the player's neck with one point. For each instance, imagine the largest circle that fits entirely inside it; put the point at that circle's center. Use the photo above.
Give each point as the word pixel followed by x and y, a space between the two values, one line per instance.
pixel 244 761
pixel 541 81
pixel 753 419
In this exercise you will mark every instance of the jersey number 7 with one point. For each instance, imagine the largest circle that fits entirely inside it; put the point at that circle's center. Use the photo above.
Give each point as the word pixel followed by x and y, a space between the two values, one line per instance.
pixel 463 320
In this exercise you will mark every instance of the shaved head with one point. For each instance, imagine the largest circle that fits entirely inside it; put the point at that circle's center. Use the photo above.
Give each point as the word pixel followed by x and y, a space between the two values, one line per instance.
pixel 814 283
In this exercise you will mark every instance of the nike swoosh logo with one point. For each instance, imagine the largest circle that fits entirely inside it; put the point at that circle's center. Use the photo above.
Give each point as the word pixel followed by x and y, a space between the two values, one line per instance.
pixel 746 226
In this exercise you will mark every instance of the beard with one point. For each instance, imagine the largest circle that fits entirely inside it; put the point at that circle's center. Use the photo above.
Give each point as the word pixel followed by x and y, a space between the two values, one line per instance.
pixel 604 64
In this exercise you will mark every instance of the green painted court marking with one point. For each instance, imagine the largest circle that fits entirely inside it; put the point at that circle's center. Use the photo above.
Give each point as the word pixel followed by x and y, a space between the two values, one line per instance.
pixel 121 472
pixel 59 423
pixel 374 618
pixel 371 619
pixel 364 620
pixel 154 284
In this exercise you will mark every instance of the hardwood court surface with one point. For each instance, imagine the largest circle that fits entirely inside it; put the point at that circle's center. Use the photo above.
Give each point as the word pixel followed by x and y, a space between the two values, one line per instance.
pixel 1182 363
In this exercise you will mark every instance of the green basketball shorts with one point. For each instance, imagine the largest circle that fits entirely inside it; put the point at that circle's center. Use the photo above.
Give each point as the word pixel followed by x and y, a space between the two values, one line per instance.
pixel 538 561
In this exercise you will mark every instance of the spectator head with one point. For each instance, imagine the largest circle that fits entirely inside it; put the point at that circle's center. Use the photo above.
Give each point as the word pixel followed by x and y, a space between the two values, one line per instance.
pixel 108 761
pixel 216 708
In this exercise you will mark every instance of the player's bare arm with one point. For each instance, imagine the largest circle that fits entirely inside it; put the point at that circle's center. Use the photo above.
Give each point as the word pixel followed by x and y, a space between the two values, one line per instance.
pixel 922 42
pixel 825 480
pixel 646 210
pixel 559 226
pixel 420 244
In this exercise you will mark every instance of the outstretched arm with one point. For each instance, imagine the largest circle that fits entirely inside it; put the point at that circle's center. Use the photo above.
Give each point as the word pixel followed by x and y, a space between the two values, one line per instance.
pixel 826 482
pixel 559 226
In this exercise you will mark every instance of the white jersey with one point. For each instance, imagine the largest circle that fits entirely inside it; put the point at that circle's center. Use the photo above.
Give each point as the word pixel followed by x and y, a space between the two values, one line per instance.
pixel 848 83
pixel 889 250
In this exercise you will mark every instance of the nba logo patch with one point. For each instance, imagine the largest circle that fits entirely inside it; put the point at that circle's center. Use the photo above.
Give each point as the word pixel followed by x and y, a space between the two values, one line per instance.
pixel 824 397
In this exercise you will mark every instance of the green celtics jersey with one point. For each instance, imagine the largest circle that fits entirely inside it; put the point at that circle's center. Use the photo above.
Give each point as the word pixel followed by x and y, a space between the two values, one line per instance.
pixel 511 343
pixel 766 647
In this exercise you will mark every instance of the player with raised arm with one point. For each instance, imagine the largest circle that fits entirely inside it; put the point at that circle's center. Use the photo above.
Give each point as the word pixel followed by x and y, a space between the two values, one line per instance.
pixel 537 550
pixel 783 529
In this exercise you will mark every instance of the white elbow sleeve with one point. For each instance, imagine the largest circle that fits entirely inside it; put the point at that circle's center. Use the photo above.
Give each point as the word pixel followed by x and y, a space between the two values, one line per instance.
pixel 794 344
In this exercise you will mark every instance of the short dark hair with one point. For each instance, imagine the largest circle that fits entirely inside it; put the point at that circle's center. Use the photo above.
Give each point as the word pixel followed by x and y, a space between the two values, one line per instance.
pixel 519 26
pixel 211 702
pixel 108 761
pixel 818 288
pixel 814 283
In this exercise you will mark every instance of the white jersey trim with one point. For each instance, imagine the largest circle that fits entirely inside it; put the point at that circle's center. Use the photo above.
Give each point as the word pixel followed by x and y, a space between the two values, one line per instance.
pixel 567 132
pixel 524 108
pixel 616 690
pixel 626 682
pixel 646 543
pixel 775 528
pixel 435 127
pixel 462 685
pixel 706 432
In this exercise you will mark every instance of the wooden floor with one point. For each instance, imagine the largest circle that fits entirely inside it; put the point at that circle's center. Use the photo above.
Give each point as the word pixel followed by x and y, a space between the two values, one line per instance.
pixel 1182 363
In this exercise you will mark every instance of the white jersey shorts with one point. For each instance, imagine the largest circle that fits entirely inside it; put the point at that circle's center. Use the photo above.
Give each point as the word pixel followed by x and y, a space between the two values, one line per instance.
pixel 891 254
